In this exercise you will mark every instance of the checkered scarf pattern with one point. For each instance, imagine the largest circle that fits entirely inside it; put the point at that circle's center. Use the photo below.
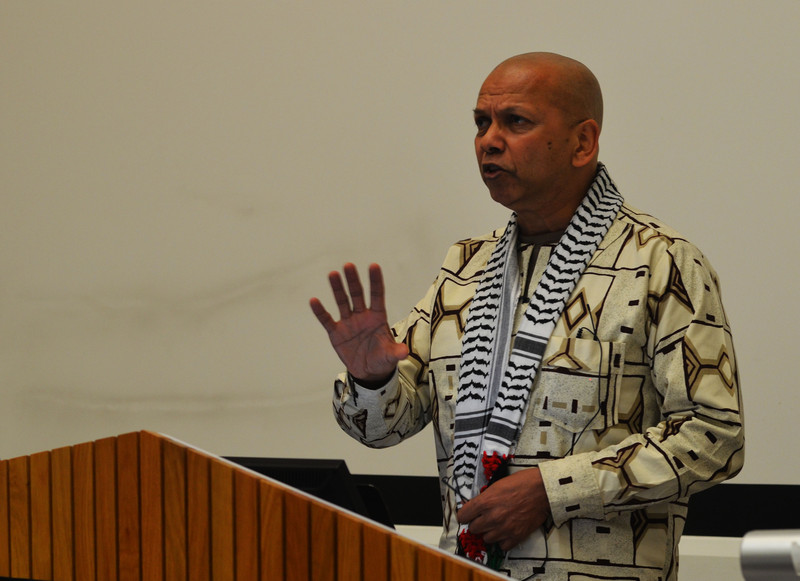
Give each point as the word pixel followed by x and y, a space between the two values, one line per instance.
pixel 494 387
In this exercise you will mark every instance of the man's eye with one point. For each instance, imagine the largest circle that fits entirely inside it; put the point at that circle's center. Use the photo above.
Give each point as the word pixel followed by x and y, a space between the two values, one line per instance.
pixel 517 120
pixel 482 123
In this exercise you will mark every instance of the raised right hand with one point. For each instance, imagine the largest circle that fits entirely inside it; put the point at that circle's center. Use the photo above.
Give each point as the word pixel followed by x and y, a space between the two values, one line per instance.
pixel 361 338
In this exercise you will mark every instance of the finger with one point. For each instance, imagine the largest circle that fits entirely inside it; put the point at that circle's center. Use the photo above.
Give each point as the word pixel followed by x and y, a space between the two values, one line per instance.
pixel 400 351
pixel 339 294
pixel 509 544
pixel 377 294
pixel 478 527
pixel 468 512
pixel 495 533
pixel 354 285
pixel 323 316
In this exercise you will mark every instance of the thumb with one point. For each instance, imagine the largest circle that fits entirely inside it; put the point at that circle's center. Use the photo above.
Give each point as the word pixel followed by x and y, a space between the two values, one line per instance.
pixel 400 351
pixel 467 512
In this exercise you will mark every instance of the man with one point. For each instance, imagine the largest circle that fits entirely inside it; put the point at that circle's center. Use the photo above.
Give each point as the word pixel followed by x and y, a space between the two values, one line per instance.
pixel 577 366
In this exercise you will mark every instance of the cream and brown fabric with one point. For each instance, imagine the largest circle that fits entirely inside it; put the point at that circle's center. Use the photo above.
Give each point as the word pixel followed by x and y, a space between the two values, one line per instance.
pixel 488 421
pixel 636 404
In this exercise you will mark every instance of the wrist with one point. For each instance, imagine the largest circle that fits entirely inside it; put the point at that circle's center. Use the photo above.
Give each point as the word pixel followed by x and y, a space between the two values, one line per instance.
pixel 371 383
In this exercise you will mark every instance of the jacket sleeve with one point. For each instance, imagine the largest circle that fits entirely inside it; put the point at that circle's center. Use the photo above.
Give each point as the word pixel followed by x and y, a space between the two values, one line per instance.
pixel 699 440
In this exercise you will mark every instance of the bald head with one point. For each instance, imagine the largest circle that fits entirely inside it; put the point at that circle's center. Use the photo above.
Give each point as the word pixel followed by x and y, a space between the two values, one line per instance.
pixel 570 85
pixel 538 119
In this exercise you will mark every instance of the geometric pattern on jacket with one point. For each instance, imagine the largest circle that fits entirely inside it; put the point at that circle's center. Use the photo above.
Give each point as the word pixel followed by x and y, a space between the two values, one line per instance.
pixel 636 405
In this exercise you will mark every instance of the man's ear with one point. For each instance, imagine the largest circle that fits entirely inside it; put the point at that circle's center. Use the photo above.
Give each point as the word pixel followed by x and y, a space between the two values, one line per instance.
pixel 587 144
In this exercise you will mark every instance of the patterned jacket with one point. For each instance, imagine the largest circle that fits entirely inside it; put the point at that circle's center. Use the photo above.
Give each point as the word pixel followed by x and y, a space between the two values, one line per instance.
pixel 636 405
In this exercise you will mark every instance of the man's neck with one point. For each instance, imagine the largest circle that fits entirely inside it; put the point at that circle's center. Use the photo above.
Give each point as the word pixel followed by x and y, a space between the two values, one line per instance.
pixel 556 216
pixel 532 224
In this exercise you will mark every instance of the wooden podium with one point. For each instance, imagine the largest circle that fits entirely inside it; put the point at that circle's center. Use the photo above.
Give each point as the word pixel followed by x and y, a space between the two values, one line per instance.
pixel 145 507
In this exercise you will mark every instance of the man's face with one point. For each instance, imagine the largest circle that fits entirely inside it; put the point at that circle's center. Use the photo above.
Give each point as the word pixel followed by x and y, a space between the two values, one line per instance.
pixel 524 143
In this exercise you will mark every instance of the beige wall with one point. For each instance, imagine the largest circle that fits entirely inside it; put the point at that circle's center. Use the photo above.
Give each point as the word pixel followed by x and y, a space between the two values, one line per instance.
pixel 177 178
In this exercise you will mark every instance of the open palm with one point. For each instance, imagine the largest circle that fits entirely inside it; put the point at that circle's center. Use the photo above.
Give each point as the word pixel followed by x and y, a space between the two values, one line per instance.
pixel 361 338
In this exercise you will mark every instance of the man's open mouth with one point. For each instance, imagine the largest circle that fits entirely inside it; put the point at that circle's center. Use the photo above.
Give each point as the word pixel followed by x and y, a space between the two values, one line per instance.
pixel 491 170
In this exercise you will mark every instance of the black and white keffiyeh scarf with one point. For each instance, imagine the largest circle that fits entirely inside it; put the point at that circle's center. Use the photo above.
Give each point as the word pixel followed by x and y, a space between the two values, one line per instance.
pixel 494 387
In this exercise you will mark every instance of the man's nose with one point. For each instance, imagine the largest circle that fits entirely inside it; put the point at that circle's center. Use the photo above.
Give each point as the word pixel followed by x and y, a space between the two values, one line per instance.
pixel 492 140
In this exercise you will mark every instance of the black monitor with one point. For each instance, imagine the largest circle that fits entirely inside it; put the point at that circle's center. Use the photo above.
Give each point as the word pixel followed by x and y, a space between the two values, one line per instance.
pixel 329 480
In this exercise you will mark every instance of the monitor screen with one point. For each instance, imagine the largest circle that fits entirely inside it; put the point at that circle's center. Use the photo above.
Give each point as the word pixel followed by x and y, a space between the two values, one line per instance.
pixel 327 479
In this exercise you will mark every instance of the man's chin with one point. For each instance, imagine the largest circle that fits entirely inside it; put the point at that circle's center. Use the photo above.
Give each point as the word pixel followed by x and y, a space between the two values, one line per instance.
pixel 503 196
